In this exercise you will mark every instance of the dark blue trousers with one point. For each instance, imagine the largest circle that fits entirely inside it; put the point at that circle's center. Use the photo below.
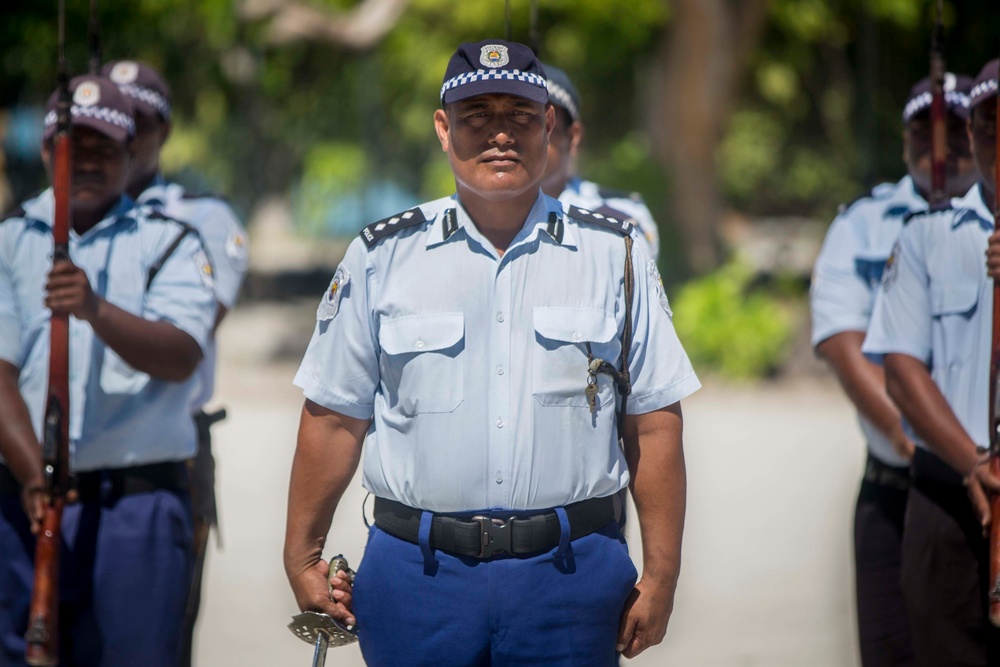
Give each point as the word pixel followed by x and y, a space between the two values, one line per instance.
pixel 125 573
pixel 418 607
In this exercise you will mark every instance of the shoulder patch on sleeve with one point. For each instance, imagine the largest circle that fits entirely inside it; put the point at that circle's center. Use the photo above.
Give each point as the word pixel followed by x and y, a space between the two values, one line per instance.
pixel 615 224
pixel 377 231
pixel 329 305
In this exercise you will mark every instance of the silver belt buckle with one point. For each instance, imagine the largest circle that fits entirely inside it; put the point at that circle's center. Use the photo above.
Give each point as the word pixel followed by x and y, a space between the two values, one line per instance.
pixel 495 535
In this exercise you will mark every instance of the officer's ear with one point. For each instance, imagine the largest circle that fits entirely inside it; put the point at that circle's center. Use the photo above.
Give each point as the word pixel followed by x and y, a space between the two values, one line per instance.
pixel 441 128
pixel 550 119
pixel 165 127
pixel 575 133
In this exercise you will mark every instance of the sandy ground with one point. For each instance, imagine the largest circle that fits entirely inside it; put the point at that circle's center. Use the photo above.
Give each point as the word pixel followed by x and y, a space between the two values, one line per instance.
pixel 767 577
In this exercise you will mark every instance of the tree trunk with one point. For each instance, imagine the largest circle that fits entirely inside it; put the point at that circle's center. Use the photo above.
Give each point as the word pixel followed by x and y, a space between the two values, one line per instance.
pixel 695 81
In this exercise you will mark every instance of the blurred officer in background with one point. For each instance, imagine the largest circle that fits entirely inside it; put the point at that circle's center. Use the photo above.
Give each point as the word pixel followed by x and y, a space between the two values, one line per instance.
pixel 138 286
pixel 845 281
pixel 561 180
pixel 226 242
pixel 932 321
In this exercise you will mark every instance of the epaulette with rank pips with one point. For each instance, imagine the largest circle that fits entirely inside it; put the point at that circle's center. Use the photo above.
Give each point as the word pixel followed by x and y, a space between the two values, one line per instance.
pixel 377 231
pixel 613 223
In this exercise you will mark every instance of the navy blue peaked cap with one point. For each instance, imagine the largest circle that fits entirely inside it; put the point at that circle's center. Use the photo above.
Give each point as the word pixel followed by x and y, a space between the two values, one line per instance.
pixel 956 96
pixel 494 66
pixel 985 87
pixel 562 92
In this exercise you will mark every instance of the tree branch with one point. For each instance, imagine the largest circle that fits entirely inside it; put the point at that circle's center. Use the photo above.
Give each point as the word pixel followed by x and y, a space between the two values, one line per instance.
pixel 292 21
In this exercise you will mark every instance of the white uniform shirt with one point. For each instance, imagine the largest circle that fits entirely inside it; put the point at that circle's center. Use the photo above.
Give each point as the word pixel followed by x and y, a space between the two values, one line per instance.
pixel 119 416
pixel 473 366
pixel 936 305
pixel 589 195
pixel 849 270
pixel 226 243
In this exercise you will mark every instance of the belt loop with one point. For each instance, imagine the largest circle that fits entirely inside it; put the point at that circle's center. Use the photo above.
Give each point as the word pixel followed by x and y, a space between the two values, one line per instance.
pixel 424 540
pixel 564 554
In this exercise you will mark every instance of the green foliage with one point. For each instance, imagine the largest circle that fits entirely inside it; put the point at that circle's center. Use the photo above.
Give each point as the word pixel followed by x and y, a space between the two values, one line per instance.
pixel 729 326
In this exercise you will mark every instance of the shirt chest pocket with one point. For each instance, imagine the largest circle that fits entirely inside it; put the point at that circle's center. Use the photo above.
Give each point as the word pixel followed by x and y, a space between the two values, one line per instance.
pixel 560 362
pixel 422 362
pixel 954 300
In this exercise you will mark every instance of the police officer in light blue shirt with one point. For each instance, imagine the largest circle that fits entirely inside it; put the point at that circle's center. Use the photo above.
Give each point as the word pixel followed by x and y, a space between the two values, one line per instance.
pixel 932 321
pixel 845 281
pixel 226 243
pixel 140 294
pixel 473 346
pixel 561 180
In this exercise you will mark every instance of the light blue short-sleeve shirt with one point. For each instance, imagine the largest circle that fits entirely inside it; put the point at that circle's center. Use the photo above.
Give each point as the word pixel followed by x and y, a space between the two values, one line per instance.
pixel 936 304
pixel 119 416
pixel 848 272
pixel 225 240
pixel 472 366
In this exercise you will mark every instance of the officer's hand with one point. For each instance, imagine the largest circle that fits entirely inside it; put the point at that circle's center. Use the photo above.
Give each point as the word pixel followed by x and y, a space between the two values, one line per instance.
pixel 33 500
pixel 993 256
pixel 980 485
pixel 68 291
pixel 313 593
pixel 903 446
pixel 644 619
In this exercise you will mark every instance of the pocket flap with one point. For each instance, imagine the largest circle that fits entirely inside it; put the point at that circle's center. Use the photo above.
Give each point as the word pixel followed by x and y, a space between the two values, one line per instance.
pixel 954 297
pixel 574 325
pixel 411 334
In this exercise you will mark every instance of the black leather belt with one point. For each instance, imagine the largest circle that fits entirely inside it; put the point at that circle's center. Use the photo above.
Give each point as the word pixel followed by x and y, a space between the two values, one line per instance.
pixel 116 482
pixel 482 536
pixel 883 474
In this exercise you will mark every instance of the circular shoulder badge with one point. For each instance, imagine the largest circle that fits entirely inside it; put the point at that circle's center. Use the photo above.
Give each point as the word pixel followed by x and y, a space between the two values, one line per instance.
pixel 494 55
pixel 124 72
pixel 661 293
pixel 87 94
pixel 329 306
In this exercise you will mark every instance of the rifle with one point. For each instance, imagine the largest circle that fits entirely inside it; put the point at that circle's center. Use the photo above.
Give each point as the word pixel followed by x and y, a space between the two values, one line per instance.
pixel 994 424
pixel 939 118
pixel 42 636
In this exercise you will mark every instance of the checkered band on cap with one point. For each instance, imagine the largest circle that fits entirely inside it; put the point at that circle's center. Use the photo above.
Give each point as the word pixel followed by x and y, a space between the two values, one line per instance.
pixel 491 75
pixel 148 96
pixel 104 114
pixel 953 98
pixel 982 90
pixel 561 97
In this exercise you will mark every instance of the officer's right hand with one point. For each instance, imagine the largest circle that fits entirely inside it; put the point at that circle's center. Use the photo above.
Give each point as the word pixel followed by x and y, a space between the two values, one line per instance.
pixel 68 291
pixel 980 485
pixel 33 501
pixel 993 256
pixel 314 593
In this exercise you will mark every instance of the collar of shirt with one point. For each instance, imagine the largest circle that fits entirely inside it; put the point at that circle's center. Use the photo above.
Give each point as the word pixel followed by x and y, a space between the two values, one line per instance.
pixel 545 220
pixel 42 210
pixel 973 200
pixel 906 194
pixel 156 193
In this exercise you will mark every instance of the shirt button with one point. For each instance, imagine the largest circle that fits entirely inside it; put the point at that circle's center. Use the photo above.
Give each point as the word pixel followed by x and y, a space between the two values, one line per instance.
pixel 499 370
pixel 500 422
pixel 500 316
pixel 577 335
pixel 420 344
pixel 499 477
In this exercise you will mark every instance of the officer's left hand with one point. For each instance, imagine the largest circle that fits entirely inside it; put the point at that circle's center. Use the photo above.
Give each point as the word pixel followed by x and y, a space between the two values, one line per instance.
pixel 68 291
pixel 644 619
pixel 993 256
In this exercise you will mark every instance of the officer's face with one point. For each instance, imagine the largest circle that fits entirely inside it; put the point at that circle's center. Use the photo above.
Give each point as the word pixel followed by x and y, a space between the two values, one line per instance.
pixel 496 144
pixel 150 134
pixel 959 168
pixel 100 169
pixel 983 132
pixel 563 145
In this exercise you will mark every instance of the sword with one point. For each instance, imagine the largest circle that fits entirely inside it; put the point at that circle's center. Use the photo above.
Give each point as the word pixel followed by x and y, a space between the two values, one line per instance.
pixel 322 630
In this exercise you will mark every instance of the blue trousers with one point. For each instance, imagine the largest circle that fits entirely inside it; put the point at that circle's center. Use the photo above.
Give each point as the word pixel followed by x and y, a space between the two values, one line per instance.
pixel 125 568
pixel 418 607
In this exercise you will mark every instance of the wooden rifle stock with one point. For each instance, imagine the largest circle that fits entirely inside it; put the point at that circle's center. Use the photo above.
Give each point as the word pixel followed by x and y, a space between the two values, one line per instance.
pixel 42 637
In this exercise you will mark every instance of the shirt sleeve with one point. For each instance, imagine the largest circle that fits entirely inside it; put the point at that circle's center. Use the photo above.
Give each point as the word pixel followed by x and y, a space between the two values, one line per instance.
pixel 182 291
pixel 226 242
pixel 340 368
pixel 10 322
pixel 659 368
pixel 840 299
pixel 901 319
